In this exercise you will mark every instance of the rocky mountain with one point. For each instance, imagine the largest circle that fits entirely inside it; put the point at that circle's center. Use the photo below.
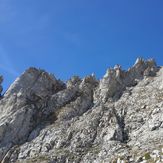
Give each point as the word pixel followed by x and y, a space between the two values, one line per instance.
pixel 118 119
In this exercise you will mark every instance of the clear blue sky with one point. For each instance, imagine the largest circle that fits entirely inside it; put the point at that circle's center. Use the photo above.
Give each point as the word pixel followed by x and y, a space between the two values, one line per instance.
pixel 69 37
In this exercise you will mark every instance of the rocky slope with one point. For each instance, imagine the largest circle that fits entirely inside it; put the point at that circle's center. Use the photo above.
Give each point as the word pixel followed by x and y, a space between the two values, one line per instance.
pixel 118 119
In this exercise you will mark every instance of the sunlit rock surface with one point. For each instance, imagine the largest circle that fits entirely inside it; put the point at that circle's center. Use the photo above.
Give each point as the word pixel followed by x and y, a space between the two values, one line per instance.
pixel 116 119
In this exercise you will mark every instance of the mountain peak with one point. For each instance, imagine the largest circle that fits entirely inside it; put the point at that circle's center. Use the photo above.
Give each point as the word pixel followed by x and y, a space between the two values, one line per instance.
pixel 115 119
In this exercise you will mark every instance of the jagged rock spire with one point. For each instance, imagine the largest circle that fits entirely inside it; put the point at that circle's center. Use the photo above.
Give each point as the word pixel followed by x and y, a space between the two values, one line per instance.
pixel 116 80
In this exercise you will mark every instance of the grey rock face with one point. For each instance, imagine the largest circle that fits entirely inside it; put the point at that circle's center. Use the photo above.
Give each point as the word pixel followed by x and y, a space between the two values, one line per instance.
pixel 116 80
pixel 117 119
pixel 1 80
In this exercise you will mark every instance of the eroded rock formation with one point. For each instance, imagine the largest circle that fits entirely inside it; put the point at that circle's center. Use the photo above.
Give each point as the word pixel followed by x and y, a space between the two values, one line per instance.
pixel 1 80
pixel 117 119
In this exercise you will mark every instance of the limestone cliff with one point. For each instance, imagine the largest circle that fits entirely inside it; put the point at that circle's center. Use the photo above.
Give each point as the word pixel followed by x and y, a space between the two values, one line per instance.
pixel 117 119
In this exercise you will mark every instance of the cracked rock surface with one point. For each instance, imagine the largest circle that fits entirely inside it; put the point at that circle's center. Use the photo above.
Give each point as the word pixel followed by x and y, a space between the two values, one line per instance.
pixel 116 119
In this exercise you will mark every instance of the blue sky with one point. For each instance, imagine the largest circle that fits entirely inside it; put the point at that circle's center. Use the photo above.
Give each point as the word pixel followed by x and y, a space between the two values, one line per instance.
pixel 78 37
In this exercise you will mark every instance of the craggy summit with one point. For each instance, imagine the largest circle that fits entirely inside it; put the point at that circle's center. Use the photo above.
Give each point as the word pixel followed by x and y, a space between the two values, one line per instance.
pixel 117 119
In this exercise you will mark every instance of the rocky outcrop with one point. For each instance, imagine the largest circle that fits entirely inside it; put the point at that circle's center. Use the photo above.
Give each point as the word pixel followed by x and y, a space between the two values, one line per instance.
pixel 116 80
pixel 117 119
pixel 1 80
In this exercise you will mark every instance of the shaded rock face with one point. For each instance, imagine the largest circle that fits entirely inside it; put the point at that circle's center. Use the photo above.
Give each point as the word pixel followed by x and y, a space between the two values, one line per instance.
pixel 1 80
pixel 117 119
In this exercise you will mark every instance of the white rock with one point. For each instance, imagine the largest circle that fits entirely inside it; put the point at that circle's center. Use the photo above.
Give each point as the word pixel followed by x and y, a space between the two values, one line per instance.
pixel 84 120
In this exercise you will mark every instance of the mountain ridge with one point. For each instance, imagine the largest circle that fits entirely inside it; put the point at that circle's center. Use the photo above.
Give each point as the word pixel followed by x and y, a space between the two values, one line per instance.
pixel 116 119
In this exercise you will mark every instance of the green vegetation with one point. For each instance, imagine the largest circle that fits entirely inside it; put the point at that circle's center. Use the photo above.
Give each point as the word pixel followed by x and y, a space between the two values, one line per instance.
pixel 147 156
pixel 39 159
pixel 95 149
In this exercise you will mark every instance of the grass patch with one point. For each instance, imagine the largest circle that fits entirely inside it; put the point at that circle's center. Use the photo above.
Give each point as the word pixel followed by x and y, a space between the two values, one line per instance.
pixel 147 156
